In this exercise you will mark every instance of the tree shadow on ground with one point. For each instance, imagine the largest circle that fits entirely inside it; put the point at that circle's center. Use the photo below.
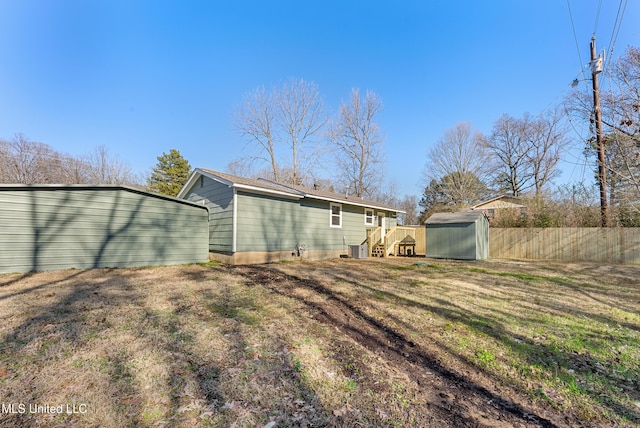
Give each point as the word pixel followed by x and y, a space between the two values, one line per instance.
pixel 549 356
pixel 377 336
pixel 69 329
pixel 55 325
pixel 534 352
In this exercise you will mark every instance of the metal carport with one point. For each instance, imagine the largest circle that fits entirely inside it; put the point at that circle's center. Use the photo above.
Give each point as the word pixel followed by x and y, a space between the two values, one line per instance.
pixel 45 227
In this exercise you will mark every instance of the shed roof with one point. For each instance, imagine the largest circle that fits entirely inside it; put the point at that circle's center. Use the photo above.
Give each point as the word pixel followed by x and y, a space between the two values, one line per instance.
pixel 455 218
pixel 261 185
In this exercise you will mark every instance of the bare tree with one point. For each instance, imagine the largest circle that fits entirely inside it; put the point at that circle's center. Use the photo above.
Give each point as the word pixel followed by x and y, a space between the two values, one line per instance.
pixel 621 105
pixel 386 193
pixel 508 144
pixel 622 160
pixel 408 204
pixel 621 118
pixel 255 119
pixel 358 139
pixel 527 151
pixel 240 167
pixel 5 161
pixel 300 114
pixel 74 170
pixel 27 162
pixel 290 115
pixel 459 160
pixel 548 138
pixel 105 168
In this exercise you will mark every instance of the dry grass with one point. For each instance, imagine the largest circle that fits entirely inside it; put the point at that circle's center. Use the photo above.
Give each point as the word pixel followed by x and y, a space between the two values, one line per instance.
pixel 335 343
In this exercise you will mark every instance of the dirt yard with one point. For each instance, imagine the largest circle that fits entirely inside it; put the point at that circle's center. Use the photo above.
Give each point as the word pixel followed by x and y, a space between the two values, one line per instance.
pixel 404 342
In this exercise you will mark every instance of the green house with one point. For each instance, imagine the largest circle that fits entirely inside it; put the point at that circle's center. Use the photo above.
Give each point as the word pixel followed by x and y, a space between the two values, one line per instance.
pixel 260 221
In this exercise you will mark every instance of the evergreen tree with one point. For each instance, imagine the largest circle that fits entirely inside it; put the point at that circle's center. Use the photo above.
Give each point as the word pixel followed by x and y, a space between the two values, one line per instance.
pixel 169 174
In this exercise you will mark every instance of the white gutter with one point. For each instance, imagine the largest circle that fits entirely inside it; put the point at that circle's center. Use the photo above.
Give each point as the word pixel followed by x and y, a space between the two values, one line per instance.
pixel 354 202
pixel 254 189
pixel 234 222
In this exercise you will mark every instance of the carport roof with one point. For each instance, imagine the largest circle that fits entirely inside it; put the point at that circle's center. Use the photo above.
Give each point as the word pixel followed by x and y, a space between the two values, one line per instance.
pixel 97 187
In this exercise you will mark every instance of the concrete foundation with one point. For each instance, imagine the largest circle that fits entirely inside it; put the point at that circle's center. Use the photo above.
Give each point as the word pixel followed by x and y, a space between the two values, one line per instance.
pixel 258 257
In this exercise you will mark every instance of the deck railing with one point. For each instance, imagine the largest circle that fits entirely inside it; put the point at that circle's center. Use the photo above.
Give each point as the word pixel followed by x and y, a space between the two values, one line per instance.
pixel 374 236
pixel 393 236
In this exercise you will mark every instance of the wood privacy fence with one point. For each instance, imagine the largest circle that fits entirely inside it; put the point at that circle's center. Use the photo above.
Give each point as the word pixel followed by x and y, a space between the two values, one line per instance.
pixel 609 245
pixel 421 240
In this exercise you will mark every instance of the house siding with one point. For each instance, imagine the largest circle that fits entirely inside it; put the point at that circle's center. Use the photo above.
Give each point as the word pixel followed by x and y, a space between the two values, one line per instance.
pixel 267 224
pixel 218 197
pixel 45 228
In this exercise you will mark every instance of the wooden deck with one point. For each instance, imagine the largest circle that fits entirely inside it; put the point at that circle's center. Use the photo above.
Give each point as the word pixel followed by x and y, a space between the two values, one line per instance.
pixel 399 240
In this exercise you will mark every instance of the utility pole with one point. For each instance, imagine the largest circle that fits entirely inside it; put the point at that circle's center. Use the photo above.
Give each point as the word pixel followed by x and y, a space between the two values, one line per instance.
pixel 596 68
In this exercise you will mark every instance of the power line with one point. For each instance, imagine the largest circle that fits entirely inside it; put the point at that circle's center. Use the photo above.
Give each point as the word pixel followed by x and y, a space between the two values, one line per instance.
pixel 615 31
pixel 615 23
pixel 595 27
pixel 616 26
pixel 575 37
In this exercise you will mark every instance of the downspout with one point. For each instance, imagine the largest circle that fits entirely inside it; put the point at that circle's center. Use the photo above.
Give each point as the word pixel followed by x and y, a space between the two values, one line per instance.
pixel 234 224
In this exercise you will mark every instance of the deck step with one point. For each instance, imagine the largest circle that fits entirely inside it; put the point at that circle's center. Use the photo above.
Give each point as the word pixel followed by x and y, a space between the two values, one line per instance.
pixel 378 251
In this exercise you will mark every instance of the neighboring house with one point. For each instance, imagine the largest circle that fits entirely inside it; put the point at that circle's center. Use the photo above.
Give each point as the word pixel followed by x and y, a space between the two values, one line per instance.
pixel 495 207
pixel 258 221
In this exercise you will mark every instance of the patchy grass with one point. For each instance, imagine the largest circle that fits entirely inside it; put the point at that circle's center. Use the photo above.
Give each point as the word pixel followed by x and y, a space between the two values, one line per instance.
pixel 335 343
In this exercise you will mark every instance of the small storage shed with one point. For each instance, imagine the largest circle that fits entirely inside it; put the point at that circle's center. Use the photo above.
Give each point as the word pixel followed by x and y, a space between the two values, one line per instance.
pixel 462 236
pixel 46 227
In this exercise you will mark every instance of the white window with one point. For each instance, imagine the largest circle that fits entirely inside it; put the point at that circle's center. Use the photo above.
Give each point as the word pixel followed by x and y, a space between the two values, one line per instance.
pixel 336 215
pixel 368 217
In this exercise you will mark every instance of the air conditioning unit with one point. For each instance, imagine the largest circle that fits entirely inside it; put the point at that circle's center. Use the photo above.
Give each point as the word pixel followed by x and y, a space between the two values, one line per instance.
pixel 359 251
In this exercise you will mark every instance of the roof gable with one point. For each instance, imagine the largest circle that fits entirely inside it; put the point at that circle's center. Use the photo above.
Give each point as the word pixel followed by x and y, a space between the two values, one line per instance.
pixel 504 201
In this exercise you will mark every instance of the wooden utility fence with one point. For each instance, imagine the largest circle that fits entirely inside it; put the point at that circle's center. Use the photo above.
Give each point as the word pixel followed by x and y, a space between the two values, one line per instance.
pixel 609 245
pixel 420 235
pixel 421 240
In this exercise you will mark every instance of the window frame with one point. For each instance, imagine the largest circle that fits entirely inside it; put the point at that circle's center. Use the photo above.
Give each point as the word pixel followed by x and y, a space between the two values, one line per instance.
pixel 369 220
pixel 332 215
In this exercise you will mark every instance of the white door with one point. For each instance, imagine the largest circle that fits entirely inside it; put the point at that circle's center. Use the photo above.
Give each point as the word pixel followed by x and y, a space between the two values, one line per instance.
pixel 382 223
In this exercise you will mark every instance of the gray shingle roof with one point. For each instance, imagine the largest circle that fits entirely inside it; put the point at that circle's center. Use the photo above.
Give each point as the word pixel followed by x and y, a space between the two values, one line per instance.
pixel 454 218
pixel 268 185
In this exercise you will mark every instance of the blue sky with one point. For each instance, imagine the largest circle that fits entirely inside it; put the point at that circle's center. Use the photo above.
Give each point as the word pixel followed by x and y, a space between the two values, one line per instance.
pixel 142 77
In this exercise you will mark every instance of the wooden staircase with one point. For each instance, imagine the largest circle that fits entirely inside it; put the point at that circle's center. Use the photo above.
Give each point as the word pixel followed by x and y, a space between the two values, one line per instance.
pixel 378 251
pixel 380 246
